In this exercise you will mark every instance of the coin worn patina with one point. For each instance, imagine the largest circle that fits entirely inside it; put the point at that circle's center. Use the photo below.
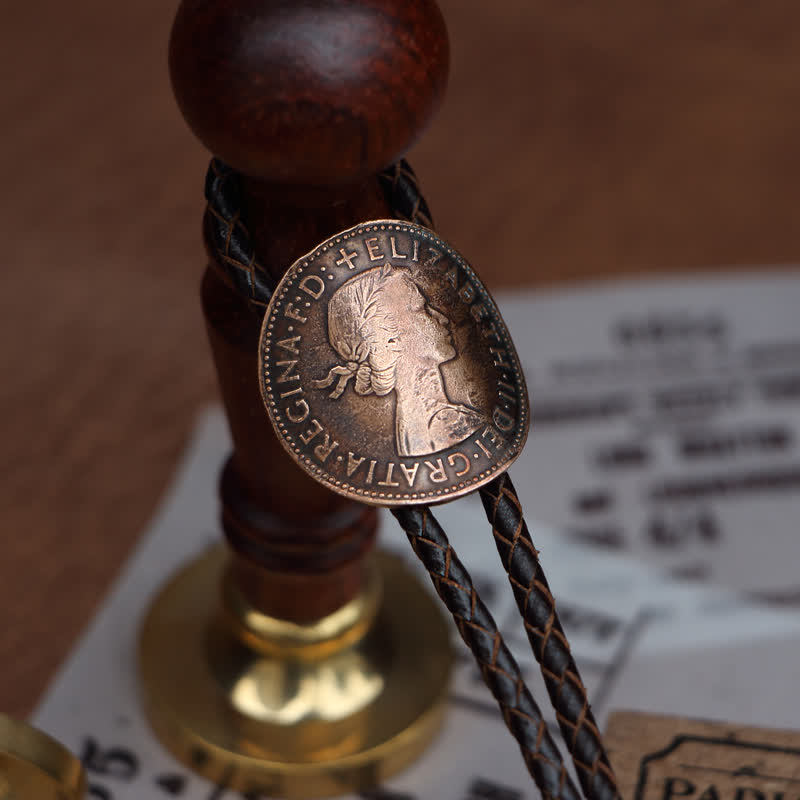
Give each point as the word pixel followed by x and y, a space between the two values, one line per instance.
pixel 387 370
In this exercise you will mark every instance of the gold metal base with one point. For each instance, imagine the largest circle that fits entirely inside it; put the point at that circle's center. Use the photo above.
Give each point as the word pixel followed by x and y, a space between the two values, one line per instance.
pixel 33 765
pixel 294 711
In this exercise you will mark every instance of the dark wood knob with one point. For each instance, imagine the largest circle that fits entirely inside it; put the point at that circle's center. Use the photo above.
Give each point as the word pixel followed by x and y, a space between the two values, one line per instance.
pixel 309 92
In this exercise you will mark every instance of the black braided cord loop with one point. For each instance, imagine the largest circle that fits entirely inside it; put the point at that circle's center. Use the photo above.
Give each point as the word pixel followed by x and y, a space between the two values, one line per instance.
pixel 228 240
pixel 499 670
pixel 549 644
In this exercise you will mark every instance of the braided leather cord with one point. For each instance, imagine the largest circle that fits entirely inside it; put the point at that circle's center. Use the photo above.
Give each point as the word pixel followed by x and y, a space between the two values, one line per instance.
pixel 232 255
pixel 400 185
pixel 531 591
pixel 228 240
pixel 549 644
pixel 498 668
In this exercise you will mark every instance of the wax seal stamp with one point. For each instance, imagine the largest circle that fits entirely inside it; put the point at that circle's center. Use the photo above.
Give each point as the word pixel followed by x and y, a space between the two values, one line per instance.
pixel 387 370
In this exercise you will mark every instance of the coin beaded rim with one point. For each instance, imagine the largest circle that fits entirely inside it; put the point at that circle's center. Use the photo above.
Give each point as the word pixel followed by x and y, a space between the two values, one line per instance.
pixel 344 487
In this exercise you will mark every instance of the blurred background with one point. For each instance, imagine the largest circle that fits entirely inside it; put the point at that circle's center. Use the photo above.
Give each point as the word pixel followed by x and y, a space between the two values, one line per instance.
pixel 577 142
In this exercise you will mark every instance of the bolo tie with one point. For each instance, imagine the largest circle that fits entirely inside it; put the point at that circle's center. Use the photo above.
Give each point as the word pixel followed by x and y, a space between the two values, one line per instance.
pixel 385 308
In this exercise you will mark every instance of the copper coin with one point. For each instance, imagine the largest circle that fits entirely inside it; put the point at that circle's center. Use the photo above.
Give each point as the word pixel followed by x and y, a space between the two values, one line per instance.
pixel 387 370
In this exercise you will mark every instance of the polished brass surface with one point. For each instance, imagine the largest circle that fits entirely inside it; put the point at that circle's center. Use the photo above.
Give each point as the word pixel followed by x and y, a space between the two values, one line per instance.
pixel 282 638
pixel 323 718
pixel 387 370
pixel 34 766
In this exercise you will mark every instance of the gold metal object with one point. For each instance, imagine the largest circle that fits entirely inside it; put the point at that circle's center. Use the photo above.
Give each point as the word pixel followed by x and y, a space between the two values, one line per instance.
pixel 34 766
pixel 285 639
pixel 387 370
pixel 262 705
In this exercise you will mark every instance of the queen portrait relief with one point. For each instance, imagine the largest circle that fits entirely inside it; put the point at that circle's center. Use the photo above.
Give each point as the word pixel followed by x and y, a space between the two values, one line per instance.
pixel 391 340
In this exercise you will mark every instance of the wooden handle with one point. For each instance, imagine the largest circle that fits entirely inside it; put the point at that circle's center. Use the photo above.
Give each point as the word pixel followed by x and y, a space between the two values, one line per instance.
pixel 309 100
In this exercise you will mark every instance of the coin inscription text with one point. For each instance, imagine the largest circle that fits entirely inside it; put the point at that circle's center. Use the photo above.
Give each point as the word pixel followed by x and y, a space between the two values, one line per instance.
pixel 387 370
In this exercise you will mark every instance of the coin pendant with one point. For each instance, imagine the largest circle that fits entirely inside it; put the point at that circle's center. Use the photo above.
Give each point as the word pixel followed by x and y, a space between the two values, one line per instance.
pixel 387 370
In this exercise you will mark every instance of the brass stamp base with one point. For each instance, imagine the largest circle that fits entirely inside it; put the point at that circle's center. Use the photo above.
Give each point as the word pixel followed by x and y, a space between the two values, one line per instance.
pixel 304 723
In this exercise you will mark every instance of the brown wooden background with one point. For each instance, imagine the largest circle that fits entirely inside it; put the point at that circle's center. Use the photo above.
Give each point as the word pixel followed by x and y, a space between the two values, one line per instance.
pixel 578 140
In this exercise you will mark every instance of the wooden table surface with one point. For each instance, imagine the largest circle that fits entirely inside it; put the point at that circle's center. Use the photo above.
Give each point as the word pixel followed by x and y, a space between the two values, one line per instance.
pixel 578 140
